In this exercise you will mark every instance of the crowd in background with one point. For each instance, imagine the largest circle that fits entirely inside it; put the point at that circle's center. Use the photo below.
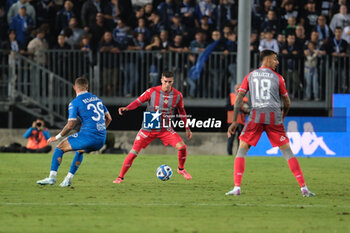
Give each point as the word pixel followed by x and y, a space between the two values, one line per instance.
pixel 292 28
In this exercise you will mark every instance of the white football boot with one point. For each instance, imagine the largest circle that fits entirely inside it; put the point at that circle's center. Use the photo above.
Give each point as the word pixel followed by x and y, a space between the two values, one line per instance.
pixel 47 180
pixel 306 192
pixel 66 182
pixel 236 191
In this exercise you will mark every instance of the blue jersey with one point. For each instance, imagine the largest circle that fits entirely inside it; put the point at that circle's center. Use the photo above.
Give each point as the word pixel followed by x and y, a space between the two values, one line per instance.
pixel 91 111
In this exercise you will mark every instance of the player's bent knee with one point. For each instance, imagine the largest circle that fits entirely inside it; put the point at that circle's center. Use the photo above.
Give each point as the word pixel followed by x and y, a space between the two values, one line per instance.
pixel 135 152
pixel 179 145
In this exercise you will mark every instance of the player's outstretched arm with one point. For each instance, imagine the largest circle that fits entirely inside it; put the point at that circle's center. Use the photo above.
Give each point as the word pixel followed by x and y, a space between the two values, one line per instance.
pixel 286 106
pixel 237 108
pixel 108 119
pixel 67 128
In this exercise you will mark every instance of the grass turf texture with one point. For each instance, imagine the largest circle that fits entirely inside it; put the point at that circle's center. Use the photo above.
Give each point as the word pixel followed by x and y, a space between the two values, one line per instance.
pixel 271 200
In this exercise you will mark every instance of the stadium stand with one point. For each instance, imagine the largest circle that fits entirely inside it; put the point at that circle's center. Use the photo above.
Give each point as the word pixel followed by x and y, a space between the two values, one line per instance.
pixel 149 36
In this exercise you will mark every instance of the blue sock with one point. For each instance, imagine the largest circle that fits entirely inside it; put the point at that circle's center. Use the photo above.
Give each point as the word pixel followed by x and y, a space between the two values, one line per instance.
pixel 56 159
pixel 78 158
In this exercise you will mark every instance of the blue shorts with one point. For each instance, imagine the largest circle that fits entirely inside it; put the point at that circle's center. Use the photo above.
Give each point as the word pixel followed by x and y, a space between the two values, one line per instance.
pixel 86 141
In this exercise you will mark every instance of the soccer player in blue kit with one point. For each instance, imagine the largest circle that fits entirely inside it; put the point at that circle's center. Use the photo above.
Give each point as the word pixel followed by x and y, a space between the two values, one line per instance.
pixel 94 117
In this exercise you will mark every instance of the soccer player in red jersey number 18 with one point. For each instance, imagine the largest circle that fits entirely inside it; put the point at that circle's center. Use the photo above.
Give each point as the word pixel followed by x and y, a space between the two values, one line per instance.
pixel 266 87
pixel 162 100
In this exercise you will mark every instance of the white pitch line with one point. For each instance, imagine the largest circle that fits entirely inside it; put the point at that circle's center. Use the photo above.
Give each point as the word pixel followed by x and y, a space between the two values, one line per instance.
pixel 170 204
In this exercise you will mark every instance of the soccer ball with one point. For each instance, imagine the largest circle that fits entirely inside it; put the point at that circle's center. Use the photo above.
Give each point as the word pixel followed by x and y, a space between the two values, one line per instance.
pixel 164 172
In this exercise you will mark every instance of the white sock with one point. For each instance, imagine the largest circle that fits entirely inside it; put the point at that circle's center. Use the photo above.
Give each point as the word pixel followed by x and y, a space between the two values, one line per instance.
pixel 304 188
pixel 236 188
pixel 53 174
pixel 70 175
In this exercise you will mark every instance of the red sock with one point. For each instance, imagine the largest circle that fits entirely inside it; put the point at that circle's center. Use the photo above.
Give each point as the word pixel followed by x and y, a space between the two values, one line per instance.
pixel 238 170
pixel 127 164
pixel 182 154
pixel 295 168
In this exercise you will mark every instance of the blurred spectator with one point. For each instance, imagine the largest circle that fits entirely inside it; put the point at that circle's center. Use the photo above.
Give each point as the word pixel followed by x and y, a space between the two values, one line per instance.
pixel 281 40
pixel 346 34
pixel 198 45
pixel 225 31
pixel 141 28
pixel 314 38
pixel 262 10
pixel 228 13
pixel 4 25
pixel 156 25
pixel 268 42
pixel 61 59
pixel 206 8
pixel 138 43
pixel 37 136
pixel 217 64
pixel 155 58
pixel 337 4
pixel 77 33
pixel 121 9
pixel 36 45
pixel 337 48
pixel 206 28
pixel 309 16
pixel 97 30
pixel 176 27
pixel 64 15
pixel 164 39
pixel 140 13
pixel 187 12
pixel 291 26
pixel 310 71
pixel 89 11
pixel 85 46
pixel 271 23
pixel 177 45
pixel 289 11
pixel 110 64
pixel 12 44
pixel 20 24
pixel 290 62
pixel 232 47
pixel 14 9
pixel 121 33
pixel 148 10
pixel 45 12
pixel 323 30
pixel 300 36
pixel 342 19
pixel 166 11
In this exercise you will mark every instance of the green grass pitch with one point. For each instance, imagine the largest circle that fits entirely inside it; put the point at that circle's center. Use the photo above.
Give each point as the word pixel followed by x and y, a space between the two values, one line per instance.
pixel 271 200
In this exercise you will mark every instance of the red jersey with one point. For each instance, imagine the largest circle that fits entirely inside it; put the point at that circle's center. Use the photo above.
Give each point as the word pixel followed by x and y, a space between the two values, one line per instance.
pixel 164 102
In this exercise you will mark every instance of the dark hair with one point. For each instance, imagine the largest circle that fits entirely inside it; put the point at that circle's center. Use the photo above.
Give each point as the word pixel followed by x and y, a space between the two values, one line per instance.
pixel 82 82
pixel 168 74
pixel 339 28
pixel 266 53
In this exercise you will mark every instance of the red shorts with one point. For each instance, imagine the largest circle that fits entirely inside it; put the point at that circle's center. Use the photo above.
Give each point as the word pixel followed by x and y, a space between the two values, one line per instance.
pixel 144 138
pixel 252 132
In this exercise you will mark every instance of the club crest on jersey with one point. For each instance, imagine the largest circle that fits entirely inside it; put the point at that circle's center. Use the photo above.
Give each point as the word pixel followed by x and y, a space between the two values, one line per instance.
pixel 152 120
pixel 282 138
pixel 166 101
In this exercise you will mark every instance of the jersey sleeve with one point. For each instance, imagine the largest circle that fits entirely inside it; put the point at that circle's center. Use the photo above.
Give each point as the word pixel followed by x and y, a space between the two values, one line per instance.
pixel 245 85
pixel 141 99
pixel 73 111
pixel 282 86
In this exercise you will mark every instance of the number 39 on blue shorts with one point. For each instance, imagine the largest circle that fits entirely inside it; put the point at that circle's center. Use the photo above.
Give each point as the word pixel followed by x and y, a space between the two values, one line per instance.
pixel 86 141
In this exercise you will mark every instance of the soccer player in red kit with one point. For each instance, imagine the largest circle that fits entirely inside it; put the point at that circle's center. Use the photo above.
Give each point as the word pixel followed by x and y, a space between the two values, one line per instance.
pixel 163 99
pixel 266 87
